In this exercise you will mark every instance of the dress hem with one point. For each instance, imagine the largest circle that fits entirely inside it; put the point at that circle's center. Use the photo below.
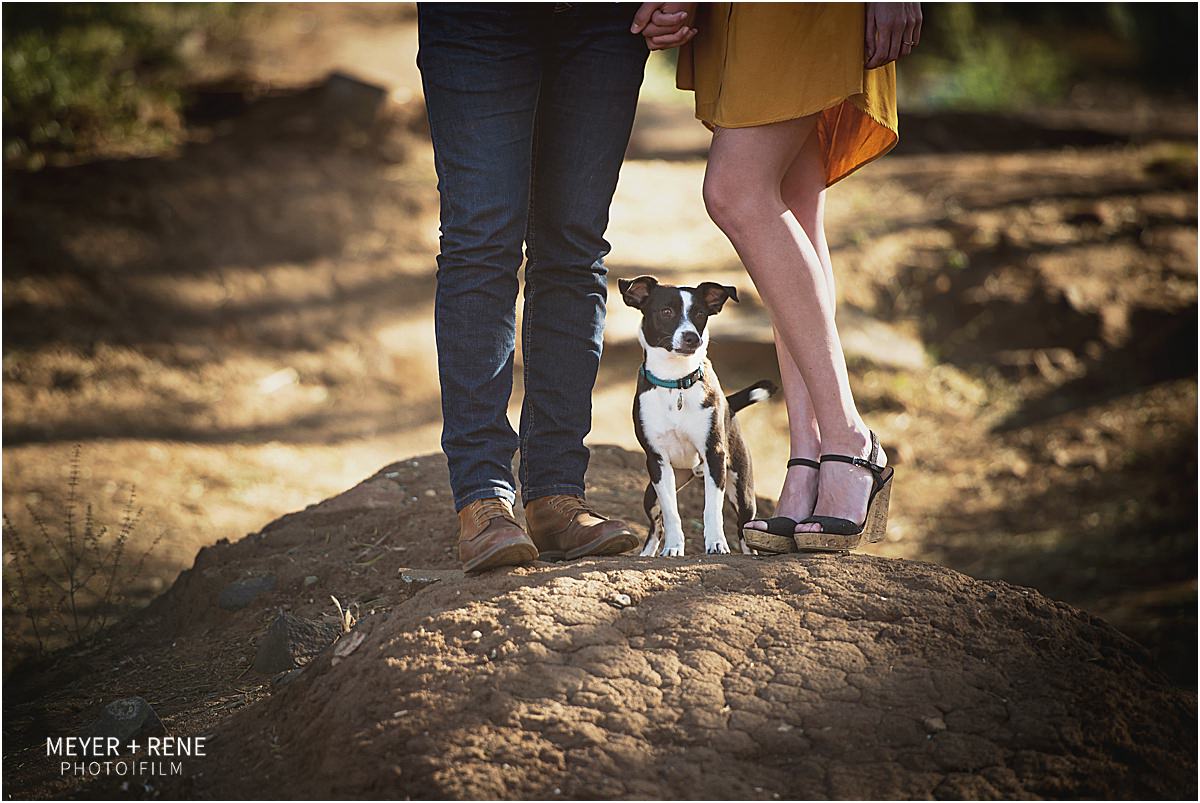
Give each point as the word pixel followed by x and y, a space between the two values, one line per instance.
pixel 798 115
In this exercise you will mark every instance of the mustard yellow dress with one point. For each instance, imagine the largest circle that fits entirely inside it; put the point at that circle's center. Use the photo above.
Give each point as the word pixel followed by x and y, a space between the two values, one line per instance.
pixel 758 63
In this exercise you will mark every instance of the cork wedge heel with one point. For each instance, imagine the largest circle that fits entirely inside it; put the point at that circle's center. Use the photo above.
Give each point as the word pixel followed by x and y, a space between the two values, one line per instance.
pixel 842 535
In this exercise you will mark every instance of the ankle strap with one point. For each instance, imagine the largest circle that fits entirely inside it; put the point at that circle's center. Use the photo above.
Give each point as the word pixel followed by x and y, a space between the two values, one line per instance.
pixel 803 461
pixel 862 462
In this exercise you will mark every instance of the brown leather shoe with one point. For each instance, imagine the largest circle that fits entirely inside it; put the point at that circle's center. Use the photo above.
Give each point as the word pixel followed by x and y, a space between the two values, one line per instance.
pixel 489 536
pixel 565 528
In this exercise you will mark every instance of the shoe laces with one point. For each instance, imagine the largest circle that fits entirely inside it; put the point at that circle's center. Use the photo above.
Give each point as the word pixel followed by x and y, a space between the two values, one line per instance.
pixel 572 506
pixel 493 508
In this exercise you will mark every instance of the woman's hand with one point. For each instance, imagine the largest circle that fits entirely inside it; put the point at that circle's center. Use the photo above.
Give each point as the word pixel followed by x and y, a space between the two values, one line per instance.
pixel 665 25
pixel 893 30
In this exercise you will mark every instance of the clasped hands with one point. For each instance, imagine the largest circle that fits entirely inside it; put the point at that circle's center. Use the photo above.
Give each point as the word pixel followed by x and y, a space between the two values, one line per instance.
pixel 665 25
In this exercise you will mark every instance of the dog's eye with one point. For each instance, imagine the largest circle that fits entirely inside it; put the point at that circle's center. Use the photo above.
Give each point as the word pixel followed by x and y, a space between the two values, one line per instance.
pixel 667 312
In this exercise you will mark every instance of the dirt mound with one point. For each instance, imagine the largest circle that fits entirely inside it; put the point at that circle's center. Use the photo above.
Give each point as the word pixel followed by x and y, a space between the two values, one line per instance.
pixel 732 678
pixel 740 677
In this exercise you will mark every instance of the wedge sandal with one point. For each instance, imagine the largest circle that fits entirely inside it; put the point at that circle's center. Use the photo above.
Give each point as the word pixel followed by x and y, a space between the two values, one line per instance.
pixel 778 538
pixel 841 535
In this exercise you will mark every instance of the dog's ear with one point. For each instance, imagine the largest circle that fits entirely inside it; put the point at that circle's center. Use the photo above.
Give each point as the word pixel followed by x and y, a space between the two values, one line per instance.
pixel 636 291
pixel 715 295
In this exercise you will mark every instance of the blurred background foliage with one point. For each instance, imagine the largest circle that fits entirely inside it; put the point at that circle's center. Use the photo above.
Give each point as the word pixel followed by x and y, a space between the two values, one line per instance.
pixel 100 77
pixel 113 78
pixel 1003 56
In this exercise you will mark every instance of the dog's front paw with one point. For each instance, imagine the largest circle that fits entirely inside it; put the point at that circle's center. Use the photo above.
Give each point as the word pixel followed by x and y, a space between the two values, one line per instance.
pixel 719 548
pixel 672 551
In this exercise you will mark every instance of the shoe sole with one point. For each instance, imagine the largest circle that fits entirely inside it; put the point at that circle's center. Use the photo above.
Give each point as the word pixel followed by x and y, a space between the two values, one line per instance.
pixel 826 542
pixel 511 554
pixel 768 542
pixel 611 544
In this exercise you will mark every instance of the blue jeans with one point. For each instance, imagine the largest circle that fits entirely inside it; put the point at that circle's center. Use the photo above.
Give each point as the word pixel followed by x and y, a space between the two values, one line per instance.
pixel 530 108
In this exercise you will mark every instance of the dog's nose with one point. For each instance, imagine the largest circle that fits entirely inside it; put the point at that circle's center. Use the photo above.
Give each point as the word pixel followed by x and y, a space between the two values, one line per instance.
pixel 690 339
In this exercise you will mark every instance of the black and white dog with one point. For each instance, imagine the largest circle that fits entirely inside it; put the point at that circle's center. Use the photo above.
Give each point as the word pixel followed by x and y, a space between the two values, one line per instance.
pixel 683 421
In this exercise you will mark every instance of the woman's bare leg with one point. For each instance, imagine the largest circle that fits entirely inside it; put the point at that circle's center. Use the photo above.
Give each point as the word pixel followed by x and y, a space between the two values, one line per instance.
pixel 743 193
pixel 798 498
pixel 803 190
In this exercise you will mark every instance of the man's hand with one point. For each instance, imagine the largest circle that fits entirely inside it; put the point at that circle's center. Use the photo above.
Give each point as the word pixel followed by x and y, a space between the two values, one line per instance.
pixel 893 30
pixel 665 25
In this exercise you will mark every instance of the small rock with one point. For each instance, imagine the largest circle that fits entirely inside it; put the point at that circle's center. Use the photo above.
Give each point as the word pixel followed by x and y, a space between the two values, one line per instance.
pixel 934 724
pixel 240 593
pixel 430 492
pixel 310 580
pixel 784 728
pixel 423 578
pixel 347 645
pixel 475 634
pixel 284 678
pixel 126 719
pixel 620 600
pixel 291 641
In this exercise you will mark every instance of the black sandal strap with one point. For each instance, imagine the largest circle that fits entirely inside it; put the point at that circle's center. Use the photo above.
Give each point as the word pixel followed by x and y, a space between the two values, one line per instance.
pixel 862 462
pixel 804 461
pixel 834 525
pixel 776 525
pixel 854 461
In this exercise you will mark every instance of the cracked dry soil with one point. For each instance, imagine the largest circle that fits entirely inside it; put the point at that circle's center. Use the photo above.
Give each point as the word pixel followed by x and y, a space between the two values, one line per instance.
pixel 801 677
pixel 735 677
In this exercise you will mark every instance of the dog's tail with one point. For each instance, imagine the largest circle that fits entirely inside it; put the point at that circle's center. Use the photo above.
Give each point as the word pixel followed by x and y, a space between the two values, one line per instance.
pixel 759 391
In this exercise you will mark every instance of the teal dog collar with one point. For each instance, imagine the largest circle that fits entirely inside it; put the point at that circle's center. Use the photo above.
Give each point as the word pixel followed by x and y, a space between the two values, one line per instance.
pixel 683 383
